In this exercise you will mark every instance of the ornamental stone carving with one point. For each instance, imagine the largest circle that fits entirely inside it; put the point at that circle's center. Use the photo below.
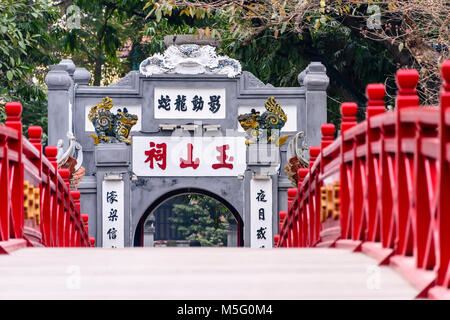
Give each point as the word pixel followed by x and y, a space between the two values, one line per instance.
pixel 190 59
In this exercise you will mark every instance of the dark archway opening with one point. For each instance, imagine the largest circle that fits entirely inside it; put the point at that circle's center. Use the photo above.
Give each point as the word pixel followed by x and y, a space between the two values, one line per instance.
pixel 139 234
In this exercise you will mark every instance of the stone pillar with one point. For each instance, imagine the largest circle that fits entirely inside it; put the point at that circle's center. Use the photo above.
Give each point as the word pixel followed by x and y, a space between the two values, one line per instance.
pixel 315 81
pixel 149 232
pixel 263 163
pixel 112 161
pixel 60 93
pixel 232 235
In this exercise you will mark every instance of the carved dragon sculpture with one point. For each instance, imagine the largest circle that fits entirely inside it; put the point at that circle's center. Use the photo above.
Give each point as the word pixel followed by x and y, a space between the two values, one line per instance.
pixel 268 124
pixel 109 127
pixel 71 159
pixel 296 158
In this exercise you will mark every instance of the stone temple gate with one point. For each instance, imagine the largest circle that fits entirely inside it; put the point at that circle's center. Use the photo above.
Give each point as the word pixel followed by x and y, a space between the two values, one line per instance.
pixel 192 93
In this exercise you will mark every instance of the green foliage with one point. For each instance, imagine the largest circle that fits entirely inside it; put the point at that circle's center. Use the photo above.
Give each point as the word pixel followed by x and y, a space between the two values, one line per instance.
pixel 202 218
pixel 351 63
pixel 26 39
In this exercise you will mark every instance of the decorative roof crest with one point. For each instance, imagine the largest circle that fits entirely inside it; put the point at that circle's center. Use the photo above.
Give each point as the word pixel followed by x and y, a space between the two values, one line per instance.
pixel 190 59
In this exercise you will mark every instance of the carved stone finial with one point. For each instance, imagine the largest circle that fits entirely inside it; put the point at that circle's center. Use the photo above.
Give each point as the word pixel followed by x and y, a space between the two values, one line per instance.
pixel 316 78
pixel 82 76
pixel 70 66
pixel 58 78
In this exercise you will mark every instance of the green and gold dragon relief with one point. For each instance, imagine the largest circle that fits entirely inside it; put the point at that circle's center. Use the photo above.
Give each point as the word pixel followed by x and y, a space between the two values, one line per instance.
pixel 266 126
pixel 110 127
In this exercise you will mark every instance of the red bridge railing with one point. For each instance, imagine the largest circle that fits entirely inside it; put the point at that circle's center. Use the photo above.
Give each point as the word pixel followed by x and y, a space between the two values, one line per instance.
pixel 37 207
pixel 382 187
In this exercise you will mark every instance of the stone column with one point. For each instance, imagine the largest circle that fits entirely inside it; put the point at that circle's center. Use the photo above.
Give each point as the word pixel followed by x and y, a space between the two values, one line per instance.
pixel 149 232
pixel 315 80
pixel 60 92
pixel 112 161
pixel 263 162
pixel 232 235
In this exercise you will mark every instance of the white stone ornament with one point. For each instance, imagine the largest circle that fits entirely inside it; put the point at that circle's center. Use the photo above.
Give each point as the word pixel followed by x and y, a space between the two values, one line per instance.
pixel 190 59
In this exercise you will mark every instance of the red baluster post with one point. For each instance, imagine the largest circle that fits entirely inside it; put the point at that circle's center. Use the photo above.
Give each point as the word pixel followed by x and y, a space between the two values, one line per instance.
pixel 282 231
pixel 85 235
pixel 327 130
pixel 302 208
pixel 276 238
pixel 292 222
pixel 66 221
pixel 314 197
pixel 443 271
pixel 5 194
pixel 14 121
pixel 53 196
pixel 407 80
pixel 78 224
pixel 35 134
pixel 348 111
pixel 375 105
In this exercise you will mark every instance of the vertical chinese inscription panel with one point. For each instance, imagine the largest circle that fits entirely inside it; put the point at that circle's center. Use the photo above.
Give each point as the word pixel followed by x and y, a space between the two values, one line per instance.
pixel 261 213
pixel 113 214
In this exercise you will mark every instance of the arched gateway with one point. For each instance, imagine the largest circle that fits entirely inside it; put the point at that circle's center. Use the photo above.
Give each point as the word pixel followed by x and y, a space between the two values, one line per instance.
pixel 187 138
pixel 140 230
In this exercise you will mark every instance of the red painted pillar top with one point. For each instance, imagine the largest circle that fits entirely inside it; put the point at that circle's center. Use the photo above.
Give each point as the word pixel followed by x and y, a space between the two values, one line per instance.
pixel 76 197
pixel 35 134
pixel 13 112
pixel 327 139
pixel 327 134
pixel 51 152
pixel 314 152
pixel 282 216
pixel 280 227
pixel 445 93
pixel 375 93
pixel 276 238
pixel 445 74
pixel 64 173
pixel 302 172
pixel 85 219
pixel 291 193
pixel 407 80
pixel 348 112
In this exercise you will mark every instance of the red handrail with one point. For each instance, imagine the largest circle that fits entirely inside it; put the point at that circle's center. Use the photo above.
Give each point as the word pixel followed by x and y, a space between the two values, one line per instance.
pixel 392 177
pixel 37 207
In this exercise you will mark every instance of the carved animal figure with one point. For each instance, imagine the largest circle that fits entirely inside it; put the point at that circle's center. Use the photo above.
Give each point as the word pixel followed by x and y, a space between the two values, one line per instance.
pixel 257 126
pixel 111 127
pixel 296 158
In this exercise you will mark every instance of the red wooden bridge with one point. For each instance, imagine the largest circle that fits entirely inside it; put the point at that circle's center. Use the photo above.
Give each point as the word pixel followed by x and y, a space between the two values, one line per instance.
pixel 37 207
pixel 369 220
pixel 381 187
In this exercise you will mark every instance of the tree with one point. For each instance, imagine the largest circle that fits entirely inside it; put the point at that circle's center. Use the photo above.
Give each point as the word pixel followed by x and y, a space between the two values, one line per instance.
pixel 202 218
pixel 27 30
pixel 104 28
pixel 411 33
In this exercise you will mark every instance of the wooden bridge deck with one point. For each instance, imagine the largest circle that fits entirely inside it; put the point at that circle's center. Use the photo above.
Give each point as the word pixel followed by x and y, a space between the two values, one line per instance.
pixel 196 273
